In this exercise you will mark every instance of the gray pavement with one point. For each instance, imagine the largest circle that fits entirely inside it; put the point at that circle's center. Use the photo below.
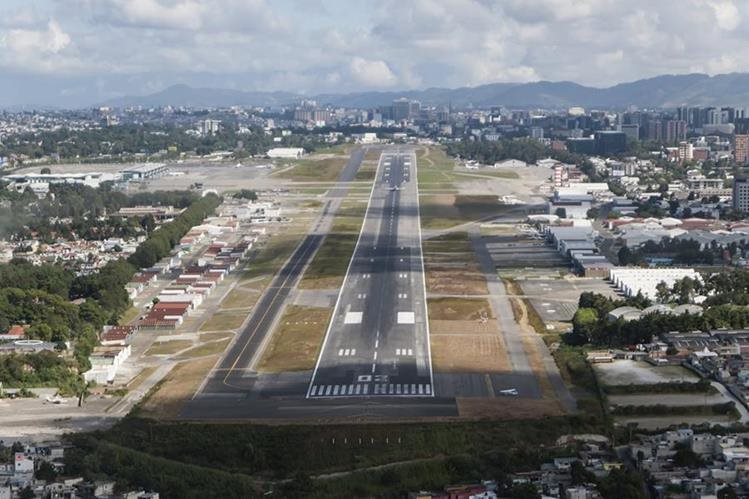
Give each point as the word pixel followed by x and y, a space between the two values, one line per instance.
pixel 513 335
pixel 234 374
pixel 377 343
pixel 235 391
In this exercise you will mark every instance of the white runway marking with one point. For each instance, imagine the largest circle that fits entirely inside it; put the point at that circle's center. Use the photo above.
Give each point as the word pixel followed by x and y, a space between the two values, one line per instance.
pixel 406 318
pixel 353 318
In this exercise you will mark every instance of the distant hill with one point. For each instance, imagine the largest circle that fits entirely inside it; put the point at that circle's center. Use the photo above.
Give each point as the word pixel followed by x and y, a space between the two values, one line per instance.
pixel 661 91
pixel 184 95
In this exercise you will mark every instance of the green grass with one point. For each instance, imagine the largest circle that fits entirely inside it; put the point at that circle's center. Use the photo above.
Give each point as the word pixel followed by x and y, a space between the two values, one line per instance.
pixel 327 169
pixel 129 316
pixel 435 169
pixel 328 267
pixel 251 451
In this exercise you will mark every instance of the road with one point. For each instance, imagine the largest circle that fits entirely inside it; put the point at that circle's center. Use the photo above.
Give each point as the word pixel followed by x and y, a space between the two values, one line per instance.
pixel 233 373
pixel 377 342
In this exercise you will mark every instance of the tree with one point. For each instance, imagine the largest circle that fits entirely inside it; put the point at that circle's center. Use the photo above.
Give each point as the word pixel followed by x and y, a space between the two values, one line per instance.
pixel 580 475
pixel 245 194
pixel 46 472
pixel 727 492
pixel 524 491
pixel 625 256
pixel 561 212
pixel 686 457
pixel 45 171
pixel 662 293
pixel 584 321
pixel 621 484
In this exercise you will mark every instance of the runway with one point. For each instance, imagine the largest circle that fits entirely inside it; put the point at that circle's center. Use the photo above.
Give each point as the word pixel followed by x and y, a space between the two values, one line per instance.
pixel 233 373
pixel 377 342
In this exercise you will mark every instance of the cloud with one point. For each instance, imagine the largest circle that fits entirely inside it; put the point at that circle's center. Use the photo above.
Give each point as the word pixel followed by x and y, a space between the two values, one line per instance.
pixel 726 14
pixel 354 45
pixel 375 74
pixel 28 42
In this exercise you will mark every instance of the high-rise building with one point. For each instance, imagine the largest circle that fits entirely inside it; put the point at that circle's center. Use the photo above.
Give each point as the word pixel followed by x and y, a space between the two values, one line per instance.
pixel 537 132
pixel 741 195
pixel 655 130
pixel 610 142
pixel 401 109
pixel 741 149
pixel 581 145
pixel 632 131
pixel 675 131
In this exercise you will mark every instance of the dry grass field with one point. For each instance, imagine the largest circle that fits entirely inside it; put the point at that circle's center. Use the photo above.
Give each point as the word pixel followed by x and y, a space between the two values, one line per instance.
pixel 176 388
pixel 296 340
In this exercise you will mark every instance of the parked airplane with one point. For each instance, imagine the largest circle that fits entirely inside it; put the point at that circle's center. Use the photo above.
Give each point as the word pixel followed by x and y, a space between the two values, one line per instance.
pixel 512 392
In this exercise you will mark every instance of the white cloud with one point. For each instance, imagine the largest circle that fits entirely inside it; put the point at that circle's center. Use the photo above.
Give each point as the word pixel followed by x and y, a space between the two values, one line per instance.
pixel 182 14
pixel 28 42
pixel 340 45
pixel 372 73
pixel 726 14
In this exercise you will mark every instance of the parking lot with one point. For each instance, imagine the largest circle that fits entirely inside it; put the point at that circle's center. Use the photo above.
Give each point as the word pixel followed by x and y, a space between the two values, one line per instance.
pixel 555 300
pixel 626 372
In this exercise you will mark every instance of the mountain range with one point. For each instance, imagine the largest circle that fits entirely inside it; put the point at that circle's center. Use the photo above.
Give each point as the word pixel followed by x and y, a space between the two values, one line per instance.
pixel 661 91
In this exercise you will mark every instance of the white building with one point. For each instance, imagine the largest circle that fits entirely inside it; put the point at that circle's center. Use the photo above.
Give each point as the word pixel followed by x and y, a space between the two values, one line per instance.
pixel 20 181
pixel 23 463
pixel 146 170
pixel 641 280
pixel 286 152
pixel 209 127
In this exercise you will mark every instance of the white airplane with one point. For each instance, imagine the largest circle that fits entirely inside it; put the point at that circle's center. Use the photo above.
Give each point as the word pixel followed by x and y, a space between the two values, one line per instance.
pixel 56 400
pixel 512 392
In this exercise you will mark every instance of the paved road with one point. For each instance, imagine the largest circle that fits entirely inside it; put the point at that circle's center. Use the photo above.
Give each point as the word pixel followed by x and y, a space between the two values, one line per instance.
pixel 233 373
pixel 377 343
pixel 512 333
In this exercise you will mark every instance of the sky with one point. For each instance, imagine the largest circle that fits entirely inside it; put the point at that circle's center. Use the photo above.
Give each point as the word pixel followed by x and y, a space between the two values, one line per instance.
pixel 116 47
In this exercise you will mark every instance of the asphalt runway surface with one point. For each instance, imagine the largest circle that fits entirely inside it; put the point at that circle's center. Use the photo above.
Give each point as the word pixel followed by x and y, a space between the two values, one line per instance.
pixel 233 373
pixel 377 343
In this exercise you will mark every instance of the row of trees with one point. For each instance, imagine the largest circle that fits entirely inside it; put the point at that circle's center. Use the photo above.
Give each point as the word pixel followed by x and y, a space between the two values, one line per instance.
pixel 161 241
pixel 121 142
pixel 591 322
pixel 528 150
pixel 681 251
pixel 78 211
